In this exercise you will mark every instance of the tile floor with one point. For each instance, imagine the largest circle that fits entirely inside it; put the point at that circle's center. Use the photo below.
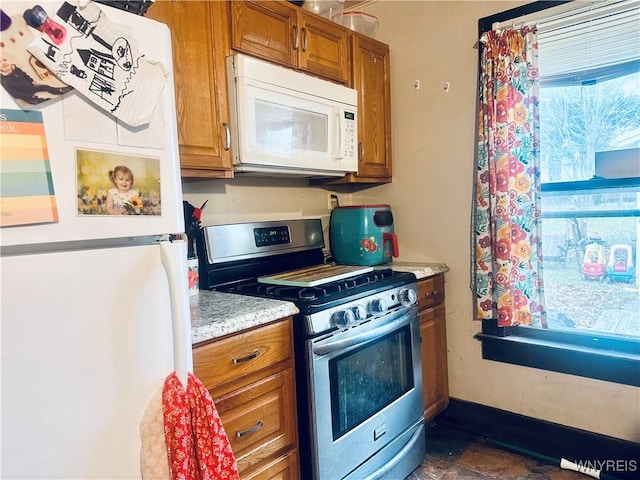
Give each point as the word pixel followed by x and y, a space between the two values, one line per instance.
pixel 456 455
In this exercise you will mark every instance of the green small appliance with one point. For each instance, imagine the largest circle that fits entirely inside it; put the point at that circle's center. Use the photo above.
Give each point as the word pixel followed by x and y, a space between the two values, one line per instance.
pixel 362 235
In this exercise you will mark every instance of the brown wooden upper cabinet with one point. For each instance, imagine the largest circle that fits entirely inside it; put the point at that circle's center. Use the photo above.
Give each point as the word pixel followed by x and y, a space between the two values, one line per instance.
pixel 199 36
pixel 371 77
pixel 283 33
pixel 372 80
pixel 204 33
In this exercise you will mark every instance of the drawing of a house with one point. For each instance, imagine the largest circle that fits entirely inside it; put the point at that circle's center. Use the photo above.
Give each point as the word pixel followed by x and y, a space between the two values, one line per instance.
pixel 101 63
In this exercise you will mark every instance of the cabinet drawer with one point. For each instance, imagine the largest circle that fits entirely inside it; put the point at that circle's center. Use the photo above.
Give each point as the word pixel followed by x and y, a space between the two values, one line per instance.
pixel 283 468
pixel 225 360
pixel 430 291
pixel 259 419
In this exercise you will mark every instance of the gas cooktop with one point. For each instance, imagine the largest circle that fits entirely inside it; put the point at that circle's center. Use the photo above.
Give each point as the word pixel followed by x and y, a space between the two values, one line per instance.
pixel 313 299
pixel 284 260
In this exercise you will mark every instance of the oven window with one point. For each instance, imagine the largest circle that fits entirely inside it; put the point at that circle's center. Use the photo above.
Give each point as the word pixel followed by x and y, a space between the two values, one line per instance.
pixel 367 379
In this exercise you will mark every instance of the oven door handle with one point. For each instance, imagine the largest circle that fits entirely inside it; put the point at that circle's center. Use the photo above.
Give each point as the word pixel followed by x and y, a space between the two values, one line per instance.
pixel 327 348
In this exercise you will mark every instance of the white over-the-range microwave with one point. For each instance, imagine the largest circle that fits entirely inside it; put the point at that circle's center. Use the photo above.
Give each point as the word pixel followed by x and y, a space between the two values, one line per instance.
pixel 285 122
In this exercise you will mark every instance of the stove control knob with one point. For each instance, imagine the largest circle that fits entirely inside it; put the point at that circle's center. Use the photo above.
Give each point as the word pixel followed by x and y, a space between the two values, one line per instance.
pixel 359 312
pixel 343 318
pixel 408 297
pixel 379 305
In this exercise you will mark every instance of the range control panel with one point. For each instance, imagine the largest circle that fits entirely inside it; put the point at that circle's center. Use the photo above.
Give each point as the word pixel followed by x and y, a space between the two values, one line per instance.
pixel 271 236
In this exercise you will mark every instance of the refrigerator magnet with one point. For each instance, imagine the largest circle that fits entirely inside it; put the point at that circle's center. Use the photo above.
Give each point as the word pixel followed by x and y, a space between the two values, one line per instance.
pixel 23 76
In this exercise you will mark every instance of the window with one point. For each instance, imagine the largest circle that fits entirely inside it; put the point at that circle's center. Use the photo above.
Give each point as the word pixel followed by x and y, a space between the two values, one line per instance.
pixel 589 61
pixel 590 139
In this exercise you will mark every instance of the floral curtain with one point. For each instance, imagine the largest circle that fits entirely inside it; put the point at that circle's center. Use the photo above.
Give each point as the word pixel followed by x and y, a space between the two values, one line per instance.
pixel 506 250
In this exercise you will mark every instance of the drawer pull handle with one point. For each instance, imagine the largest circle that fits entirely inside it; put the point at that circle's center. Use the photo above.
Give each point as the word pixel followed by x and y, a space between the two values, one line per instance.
pixel 247 358
pixel 255 428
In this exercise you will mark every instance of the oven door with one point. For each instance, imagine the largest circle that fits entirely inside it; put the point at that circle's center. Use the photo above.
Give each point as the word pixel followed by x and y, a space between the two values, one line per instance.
pixel 367 381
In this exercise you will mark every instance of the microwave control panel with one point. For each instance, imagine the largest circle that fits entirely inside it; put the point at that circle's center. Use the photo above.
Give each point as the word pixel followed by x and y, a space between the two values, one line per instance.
pixel 350 132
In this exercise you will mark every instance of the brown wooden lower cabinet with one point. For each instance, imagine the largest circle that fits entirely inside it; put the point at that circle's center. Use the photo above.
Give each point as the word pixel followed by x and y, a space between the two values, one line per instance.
pixel 251 379
pixel 284 467
pixel 433 334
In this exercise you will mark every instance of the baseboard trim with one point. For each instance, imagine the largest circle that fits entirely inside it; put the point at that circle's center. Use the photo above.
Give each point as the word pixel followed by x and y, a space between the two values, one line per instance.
pixel 546 441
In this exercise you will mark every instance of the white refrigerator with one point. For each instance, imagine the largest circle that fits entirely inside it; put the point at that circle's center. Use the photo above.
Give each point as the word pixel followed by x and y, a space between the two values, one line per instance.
pixel 94 306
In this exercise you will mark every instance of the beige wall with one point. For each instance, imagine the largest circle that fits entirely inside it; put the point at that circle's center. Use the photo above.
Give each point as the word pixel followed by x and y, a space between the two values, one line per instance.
pixel 251 199
pixel 433 148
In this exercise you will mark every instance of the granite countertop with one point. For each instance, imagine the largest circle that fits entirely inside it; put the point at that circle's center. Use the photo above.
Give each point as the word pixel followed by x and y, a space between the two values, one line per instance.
pixel 420 270
pixel 216 314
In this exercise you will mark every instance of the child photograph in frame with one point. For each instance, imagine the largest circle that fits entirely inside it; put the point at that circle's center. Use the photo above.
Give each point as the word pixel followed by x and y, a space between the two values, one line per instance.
pixel 115 185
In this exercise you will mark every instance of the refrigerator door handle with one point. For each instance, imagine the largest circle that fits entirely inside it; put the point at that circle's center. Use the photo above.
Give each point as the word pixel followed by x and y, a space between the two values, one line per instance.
pixel 174 260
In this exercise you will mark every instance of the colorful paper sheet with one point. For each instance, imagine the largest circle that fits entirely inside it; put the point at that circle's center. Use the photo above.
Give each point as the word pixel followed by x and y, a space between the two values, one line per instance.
pixel 26 187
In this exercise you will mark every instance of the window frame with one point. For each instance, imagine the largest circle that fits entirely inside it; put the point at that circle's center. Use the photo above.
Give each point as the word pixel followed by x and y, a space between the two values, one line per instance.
pixel 610 358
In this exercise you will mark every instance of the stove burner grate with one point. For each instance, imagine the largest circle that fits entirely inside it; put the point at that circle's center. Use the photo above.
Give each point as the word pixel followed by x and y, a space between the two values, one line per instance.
pixel 307 294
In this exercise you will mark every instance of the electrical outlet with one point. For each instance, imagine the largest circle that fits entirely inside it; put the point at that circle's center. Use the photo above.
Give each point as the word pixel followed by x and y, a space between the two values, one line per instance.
pixel 332 200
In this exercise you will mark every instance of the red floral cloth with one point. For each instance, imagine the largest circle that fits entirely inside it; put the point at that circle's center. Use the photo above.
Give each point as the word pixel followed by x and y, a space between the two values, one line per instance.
pixel 197 445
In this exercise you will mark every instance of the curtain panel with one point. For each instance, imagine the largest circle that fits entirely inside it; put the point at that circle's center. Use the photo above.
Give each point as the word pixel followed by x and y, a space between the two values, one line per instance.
pixel 506 253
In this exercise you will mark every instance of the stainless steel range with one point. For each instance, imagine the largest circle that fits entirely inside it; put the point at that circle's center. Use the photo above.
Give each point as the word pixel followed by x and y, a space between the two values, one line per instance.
pixel 357 345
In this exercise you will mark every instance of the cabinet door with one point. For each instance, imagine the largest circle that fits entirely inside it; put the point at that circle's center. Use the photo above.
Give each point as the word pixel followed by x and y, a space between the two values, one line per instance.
pixel 260 419
pixel 431 291
pixel 265 29
pixel 323 48
pixel 435 384
pixel 371 77
pixel 283 468
pixel 198 37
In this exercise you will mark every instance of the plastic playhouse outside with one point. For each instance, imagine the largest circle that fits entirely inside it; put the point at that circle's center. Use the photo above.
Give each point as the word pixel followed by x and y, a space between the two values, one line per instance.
pixel 620 267
pixel 594 263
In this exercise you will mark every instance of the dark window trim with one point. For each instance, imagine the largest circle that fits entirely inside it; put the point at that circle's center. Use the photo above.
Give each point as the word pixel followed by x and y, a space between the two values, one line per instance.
pixel 602 357
pixel 485 23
